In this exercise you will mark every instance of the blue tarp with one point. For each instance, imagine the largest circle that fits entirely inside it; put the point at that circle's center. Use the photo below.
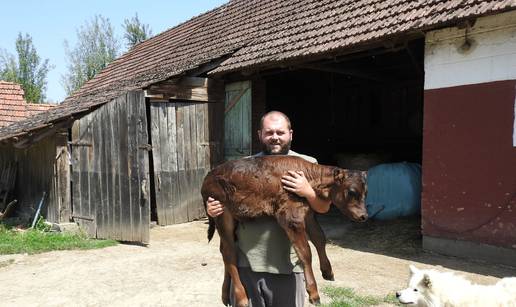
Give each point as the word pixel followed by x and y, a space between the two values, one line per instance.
pixel 393 190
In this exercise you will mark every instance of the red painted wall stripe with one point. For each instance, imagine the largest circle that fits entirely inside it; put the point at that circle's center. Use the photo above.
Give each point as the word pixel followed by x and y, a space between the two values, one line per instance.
pixel 469 163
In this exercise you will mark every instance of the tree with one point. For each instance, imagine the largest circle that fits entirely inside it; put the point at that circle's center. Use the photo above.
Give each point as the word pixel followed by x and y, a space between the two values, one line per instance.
pixel 135 31
pixel 96 47
pixel 28 70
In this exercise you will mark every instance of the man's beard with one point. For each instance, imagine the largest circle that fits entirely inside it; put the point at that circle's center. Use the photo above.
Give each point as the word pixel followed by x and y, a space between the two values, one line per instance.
pixel 269 149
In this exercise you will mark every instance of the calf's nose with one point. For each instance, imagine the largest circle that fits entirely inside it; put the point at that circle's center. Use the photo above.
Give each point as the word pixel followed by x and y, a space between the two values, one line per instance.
pixel 398 294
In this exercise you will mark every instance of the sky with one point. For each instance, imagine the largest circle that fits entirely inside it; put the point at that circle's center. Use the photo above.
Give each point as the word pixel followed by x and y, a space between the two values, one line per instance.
pixel 51 22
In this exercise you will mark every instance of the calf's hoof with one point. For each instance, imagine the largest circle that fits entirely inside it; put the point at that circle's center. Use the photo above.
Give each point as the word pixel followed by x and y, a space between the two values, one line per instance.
pixel 315 301
pixel 328 275
pixel 225 301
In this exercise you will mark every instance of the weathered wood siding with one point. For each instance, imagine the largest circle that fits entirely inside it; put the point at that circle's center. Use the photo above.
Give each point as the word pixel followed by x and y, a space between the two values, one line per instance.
pixel 183 149
pixel 237 120
pixel 40 169
pixel 110 170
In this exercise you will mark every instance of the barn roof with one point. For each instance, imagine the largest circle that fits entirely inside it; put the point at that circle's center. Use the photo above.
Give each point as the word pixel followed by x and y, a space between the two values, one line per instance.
pixel 13 106
pixel 255 34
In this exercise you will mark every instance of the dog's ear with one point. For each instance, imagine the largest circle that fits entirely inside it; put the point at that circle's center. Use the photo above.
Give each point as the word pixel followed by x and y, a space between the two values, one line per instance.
pixel 413 269
pixel 426 281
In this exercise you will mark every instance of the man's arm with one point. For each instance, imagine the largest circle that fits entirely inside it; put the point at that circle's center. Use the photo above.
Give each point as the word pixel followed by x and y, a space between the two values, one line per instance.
pixel 297 183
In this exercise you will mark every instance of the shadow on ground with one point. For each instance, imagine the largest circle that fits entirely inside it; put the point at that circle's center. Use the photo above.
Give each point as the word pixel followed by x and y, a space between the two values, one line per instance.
pixel 400 238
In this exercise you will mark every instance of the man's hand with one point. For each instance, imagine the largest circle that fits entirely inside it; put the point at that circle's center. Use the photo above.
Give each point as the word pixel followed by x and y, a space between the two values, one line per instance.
pixel 297 183
pixel 213 207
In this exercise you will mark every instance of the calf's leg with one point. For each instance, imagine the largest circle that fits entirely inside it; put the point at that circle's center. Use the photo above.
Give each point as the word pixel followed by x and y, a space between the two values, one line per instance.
pixel 316 235
pixel 292 220
pixel 226 283
pixel 226 228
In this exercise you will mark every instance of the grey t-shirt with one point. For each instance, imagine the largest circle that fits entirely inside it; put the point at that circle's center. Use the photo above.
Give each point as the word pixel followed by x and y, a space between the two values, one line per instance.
pixel 264 246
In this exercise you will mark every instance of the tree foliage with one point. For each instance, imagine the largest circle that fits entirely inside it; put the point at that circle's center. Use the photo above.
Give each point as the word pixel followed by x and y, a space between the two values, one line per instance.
pixel 96 47
pixel 135 31
pixel 28 70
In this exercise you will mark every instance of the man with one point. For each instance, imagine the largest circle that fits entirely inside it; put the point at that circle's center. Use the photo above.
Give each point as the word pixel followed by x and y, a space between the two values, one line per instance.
pixel 267 263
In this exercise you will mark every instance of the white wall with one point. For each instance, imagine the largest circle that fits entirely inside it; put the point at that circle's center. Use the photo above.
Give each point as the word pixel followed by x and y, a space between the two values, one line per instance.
pixel 492 56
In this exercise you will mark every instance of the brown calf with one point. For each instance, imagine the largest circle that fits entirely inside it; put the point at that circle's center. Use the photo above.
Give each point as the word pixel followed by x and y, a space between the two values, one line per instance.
pixel 251 187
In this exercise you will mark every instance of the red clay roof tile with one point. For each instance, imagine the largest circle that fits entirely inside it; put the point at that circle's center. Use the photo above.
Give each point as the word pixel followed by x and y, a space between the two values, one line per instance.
pixel 13 106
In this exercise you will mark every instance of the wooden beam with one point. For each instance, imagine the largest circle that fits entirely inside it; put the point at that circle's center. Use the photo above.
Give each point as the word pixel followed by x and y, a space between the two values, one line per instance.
pixel 187 88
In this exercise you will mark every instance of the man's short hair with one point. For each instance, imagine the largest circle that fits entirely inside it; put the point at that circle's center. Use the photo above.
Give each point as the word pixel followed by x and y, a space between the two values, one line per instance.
pixel 275 113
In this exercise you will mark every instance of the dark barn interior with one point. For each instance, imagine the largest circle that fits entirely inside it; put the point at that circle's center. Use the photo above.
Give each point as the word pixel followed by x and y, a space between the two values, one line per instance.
pixel 355 111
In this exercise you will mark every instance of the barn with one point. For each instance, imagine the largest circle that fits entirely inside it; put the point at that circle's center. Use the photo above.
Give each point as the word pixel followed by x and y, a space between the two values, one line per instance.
pixel 431 82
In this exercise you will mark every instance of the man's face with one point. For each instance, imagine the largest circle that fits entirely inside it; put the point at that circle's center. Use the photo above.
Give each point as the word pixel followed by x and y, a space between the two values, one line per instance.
pixel 275 135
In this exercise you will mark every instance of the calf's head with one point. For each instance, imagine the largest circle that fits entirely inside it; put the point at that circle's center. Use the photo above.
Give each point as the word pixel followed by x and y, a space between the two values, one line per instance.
pixel 348 193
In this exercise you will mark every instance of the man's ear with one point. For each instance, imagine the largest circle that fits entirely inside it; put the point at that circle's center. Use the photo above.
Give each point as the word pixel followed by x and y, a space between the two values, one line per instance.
pixel 426 281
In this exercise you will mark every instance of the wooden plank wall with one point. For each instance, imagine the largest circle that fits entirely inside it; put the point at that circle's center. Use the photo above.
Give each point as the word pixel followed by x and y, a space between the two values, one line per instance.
pixel 43 167
pixel 110 170
pixel 237 119
pixel 60 204
pixel 183 151
pixel 35 175
pixel 82 157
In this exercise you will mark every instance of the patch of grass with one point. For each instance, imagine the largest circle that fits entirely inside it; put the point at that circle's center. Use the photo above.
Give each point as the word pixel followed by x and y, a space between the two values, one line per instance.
pixel 33 241
pixel 346 297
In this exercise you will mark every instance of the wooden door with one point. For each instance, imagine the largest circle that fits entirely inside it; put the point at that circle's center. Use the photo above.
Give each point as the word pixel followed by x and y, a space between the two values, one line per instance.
pixel 110 178
pixel 237 120
pixel 181 157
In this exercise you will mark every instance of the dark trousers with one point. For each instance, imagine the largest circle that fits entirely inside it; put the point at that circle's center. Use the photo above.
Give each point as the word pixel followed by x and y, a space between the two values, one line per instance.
pixel 272 290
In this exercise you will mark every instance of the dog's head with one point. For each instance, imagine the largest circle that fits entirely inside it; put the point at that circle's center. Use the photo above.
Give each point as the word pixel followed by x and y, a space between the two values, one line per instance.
pixel 418 291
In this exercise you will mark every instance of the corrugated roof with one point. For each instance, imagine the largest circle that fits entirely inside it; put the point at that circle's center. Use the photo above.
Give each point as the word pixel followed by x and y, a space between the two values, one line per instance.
pixel 13 107
pixel 257 34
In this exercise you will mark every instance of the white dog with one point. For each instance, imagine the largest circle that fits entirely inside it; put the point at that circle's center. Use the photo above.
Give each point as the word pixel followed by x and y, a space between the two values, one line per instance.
pixel 437 289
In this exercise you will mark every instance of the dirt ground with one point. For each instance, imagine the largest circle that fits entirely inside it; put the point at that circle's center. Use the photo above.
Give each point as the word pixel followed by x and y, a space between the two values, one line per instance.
pixel 179 267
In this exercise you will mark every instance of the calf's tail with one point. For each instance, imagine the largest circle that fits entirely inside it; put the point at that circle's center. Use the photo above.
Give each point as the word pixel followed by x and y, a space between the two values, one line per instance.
pixel 211 228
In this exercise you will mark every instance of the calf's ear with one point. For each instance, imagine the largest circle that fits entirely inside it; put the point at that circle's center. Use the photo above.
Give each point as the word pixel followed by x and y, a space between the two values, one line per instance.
pixel 339 175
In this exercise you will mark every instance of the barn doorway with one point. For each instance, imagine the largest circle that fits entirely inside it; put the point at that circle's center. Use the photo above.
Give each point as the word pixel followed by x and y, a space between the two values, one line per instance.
pixel 368 105
pixel 358 111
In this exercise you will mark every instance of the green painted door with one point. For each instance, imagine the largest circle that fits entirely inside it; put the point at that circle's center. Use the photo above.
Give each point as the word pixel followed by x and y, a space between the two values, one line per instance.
pixel 237 120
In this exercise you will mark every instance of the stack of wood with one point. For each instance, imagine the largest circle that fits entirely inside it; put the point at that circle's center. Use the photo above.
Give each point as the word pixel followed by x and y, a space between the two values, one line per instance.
pixel 7 181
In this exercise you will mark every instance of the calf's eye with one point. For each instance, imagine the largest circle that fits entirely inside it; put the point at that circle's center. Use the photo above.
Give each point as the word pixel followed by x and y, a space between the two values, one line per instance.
pixel 353 194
